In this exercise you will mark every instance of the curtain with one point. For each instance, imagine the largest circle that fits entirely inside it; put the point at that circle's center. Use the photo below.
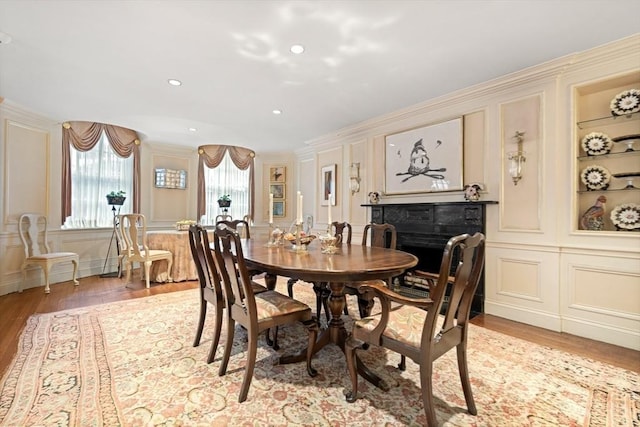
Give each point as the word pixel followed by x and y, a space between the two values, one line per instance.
pixel 83 136
pixel 211 156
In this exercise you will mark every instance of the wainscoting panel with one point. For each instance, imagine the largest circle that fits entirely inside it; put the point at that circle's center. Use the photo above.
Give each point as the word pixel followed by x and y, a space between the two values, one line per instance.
pixel 601 299
pixel 522 284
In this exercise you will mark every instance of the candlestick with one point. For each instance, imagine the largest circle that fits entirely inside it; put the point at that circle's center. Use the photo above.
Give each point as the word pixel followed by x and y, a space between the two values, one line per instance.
pixel 270 208
pixel 329 210
pixel 298 207
pixel 300 219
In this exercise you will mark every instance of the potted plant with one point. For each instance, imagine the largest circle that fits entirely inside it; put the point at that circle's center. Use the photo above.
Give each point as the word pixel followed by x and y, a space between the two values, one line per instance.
pixel 224 201
pixel 116 198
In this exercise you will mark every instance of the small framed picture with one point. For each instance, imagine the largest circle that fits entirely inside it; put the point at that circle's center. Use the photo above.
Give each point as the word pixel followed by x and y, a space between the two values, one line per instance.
pixel 277 174
pixel 278 208
pixel 277 190
pixel 328 182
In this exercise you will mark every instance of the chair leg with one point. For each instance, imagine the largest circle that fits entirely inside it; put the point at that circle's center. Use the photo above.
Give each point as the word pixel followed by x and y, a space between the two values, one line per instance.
pixel 290 284
pixel 403 363
pixel 312 329
pixel 203 315
pixel 75 272
pixel 147 267
pixel 461 350
pixel 251 363
pixel 273 342
pixel 128 276
pixel 217 327
pixel 231 326
pixel 46 271
pixel 350 352
pixel 426 372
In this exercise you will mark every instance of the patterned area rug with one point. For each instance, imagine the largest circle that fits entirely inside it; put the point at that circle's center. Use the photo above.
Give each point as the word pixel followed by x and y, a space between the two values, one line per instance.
pixel 132 363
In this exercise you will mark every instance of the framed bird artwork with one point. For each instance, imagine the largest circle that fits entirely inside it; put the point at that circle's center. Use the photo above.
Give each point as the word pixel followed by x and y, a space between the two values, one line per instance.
pixel 425 159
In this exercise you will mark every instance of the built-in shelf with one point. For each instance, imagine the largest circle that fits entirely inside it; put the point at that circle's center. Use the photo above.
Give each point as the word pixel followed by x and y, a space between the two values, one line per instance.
pixel 609 156
pixel 608 120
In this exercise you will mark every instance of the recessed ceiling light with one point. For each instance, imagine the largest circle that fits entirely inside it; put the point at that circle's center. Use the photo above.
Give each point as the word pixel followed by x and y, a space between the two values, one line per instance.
pixel 297 49
pixel 5 38
pixel 276 112
pixel 192 129
pixel 174 82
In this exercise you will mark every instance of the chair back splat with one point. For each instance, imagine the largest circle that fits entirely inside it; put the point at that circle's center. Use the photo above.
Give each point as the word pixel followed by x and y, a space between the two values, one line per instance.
pixel 414 327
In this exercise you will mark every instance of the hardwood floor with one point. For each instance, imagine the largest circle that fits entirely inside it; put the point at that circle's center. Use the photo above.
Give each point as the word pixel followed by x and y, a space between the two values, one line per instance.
pixel 16 308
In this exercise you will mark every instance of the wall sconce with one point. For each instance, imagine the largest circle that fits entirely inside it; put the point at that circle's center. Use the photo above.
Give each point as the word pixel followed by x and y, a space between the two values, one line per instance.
pixel 516 159
pixel 354 178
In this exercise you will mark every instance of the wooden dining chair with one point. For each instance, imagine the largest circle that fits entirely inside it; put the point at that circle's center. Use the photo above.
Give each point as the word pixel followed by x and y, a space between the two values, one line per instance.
pixel 240 225
pixel 377 235
pixel 414 327
pixel 210 285
pixel 257 312
pixel 343 231
pixel 34 234
pixel 133 229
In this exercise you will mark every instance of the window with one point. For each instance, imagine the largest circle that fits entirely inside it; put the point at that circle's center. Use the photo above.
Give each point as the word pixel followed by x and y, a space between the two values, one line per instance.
pixel 94 174
pixel 226 178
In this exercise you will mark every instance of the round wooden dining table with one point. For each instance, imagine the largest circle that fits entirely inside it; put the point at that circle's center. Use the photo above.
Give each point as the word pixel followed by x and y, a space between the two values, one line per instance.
pixel 349 264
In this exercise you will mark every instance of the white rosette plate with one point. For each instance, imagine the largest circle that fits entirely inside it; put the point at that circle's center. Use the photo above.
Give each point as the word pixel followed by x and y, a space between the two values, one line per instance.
pixel 595 177
pixel 626 102
pixel 626 216
pixel 596 143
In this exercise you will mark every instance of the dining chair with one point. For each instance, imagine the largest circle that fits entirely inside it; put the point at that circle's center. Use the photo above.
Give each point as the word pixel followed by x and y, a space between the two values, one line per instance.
pixel 210 285
pixel 343 231
pixel 223 217
pixel 133 228
pixel 377 235
pixel 414 327
pixel 34 234
pixel 240 225
pixel 257 312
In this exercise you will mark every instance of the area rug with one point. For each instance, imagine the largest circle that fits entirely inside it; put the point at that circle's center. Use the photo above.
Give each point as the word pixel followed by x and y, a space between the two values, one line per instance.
pixel 132 363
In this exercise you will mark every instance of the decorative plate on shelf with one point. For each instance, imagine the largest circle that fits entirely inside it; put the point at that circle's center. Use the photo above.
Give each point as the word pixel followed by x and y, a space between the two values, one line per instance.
pixel 595 177
pixel 596 143
pixel 626 216
pixel 626 102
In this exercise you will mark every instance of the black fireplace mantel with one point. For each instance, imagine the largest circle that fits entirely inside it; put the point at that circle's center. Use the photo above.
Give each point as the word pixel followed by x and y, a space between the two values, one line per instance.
pixel 424 229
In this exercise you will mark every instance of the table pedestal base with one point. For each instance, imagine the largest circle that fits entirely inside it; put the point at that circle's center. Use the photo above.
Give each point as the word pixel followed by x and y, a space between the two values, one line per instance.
pixel 336 334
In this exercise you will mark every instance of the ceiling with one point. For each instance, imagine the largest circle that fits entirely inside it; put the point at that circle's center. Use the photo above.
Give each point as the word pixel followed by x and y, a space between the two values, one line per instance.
pixel 109 61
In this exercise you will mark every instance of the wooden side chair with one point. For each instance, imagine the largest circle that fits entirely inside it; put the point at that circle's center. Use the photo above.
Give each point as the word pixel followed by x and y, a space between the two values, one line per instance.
pixel 376 235
pixel 34 234
pixel 343 231
pixel 210 285
pixel 240 225
pixel 223 217
pixel 133 228
pixel 415 328
pixel 256 312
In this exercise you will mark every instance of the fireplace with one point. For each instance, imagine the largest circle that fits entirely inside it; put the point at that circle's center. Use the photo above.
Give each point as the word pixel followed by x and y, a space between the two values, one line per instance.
pixel 424 228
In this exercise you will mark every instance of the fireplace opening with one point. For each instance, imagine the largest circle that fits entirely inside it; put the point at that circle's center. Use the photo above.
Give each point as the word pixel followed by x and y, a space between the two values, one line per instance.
pixel 429 260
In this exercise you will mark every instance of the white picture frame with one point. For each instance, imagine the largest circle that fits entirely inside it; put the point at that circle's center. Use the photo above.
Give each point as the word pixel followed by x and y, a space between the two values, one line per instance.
pixel 426 159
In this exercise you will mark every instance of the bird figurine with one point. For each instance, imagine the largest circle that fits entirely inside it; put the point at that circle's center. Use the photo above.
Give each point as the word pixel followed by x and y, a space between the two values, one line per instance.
pixel 592 219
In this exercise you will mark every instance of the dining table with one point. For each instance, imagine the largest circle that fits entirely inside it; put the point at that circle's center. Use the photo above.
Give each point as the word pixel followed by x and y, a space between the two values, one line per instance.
pixel 349 264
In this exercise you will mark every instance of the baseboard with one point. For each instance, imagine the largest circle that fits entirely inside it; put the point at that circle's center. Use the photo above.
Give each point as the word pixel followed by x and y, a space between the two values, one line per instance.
pixel 600 332
pixel 578 327
pixel 540 319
